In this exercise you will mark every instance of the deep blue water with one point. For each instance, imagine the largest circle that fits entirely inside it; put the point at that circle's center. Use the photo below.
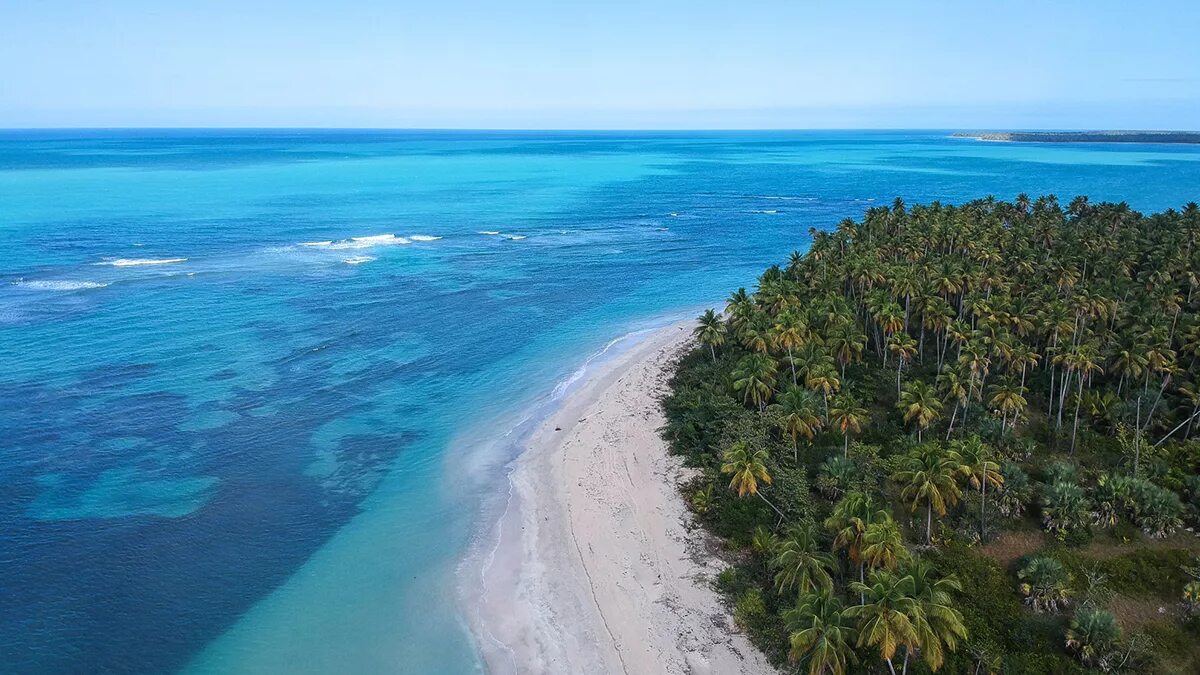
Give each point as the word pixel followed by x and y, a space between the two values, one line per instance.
pixel 248 455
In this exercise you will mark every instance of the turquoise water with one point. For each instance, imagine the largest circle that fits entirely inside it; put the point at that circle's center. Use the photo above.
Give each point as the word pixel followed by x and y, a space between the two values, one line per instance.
pixel 242 373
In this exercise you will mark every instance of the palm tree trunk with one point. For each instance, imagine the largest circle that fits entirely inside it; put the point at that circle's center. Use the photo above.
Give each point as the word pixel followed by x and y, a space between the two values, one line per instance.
pixel 983 504
pixel 712 350
pixel 928 523
pixel 890 666
pixel 1075 427
pixel 793 364
pixel 953 415
pixel 904 670
pixel 781 516
pixel 1188 421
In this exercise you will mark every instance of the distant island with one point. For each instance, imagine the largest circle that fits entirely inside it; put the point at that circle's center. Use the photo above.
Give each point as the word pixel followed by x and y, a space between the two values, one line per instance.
pixel 1083 136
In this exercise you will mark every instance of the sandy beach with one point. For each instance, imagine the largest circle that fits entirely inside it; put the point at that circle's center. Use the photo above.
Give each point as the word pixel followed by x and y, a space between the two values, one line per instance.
pixel 597 567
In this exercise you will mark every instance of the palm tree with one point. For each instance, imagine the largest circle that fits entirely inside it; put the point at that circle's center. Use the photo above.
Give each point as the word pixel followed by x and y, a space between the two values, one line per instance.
pixel 920 404
pixel 820 630
pixel 929 478
pixel 755 378
pixel 790 333
pixel 746 469
pixel 1084 361
pixel 952 388
pixel 904 347
pixel 800 564
pixel 1008 397
pixel 981 472
pixel 1092 634
pixel 825 380
pixel 710 331
pixel 1065 508
pixel 939 625
pixel 887 621
pixel 847 416
pixel 798 416
pixel 883 546
pixel 849 521
pixel 846 344
pixel 1045 583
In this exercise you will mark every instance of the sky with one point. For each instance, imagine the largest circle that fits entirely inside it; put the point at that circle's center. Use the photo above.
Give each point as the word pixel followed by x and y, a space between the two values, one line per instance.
pixel 614 64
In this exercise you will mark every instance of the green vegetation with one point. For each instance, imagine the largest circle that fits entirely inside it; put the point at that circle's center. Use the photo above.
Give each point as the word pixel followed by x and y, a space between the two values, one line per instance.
pixel 959 439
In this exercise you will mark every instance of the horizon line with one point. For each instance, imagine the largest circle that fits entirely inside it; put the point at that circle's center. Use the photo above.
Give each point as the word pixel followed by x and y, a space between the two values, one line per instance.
pixel 589 129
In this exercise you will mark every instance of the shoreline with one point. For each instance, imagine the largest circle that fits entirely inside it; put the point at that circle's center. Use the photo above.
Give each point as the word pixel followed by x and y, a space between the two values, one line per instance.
pixel 593 565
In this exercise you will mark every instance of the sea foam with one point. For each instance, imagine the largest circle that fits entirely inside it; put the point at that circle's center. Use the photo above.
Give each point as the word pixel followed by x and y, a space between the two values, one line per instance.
pixel 138 262
pixel 359 242
pixel 358 259
pixel 57 284
pixel 423 237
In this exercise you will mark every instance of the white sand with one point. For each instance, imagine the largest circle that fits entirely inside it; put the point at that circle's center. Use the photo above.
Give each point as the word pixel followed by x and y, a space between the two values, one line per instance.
pixel 598 568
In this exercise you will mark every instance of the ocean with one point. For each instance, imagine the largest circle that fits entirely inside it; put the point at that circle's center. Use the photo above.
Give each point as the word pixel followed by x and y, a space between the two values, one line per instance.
pixel 255 385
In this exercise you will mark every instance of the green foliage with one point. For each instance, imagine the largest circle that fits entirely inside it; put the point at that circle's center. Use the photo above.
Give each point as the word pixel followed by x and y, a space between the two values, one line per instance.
pixel 1093 636
pixel 1045 583
pixel 1063 338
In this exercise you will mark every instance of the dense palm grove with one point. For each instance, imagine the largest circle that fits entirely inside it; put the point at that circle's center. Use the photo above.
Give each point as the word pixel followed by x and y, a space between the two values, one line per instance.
pixel 959 439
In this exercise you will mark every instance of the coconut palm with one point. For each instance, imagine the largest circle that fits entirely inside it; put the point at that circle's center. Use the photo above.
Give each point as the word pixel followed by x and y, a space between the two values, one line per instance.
pixel 847 416
pixel 954 389
pixel 882 544
pixel 939 624
pixel 904 347
pixel 747 468
pixel 755 378
pixel 1007 398
pixel 800 563
pixel 825 380
pixel 849 521
pixel 981 472
pixel 929 478
pixel 790 332
pixel 710 331
pixel 920 405
pixel 821 634
pixel 799 416
pixel 887 620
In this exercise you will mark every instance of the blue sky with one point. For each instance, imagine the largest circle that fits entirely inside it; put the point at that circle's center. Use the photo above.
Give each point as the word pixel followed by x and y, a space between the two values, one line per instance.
pixel 613 64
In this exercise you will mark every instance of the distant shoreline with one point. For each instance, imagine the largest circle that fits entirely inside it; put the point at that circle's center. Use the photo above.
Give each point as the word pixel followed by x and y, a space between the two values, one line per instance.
pixel 1171 137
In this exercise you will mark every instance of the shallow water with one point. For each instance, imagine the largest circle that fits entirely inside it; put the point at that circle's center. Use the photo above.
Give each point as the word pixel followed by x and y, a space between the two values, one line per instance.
pixel 241 372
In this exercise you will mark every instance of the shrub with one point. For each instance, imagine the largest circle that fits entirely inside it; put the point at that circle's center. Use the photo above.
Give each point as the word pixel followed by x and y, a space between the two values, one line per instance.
pixel 1016 493
pixel 1092 635
pixel 837 475
pixel 1045 583
pixel 750 611
pixel 1065 508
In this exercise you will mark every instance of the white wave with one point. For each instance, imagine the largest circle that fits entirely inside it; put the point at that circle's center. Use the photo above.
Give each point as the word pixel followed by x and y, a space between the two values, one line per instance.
pixel 422 237
pixel 673 214
pixel 784 198
pixel 57 284
pixel 765 211
pixel 358 259
pixel 489 232
pixel 358 242
pixel 137 262
pixel 514 237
